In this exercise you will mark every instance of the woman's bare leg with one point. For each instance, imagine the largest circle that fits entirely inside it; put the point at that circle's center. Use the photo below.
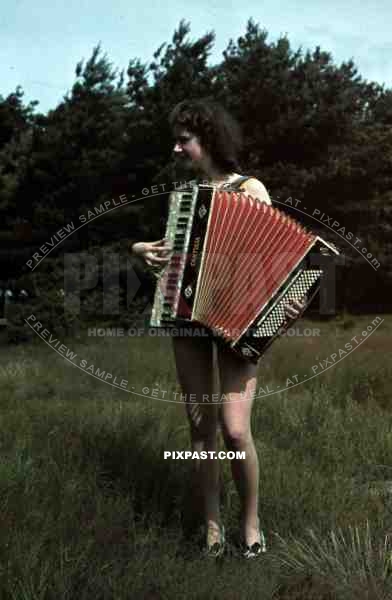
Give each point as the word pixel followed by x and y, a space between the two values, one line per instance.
pixel 238 384
pixel 194 363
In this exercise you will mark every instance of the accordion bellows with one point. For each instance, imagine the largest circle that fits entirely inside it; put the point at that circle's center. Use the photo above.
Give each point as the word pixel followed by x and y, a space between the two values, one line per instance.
pixel 236 262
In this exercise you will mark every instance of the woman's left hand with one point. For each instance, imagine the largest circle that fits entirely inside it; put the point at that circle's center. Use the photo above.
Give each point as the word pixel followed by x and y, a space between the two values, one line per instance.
pixel 294 308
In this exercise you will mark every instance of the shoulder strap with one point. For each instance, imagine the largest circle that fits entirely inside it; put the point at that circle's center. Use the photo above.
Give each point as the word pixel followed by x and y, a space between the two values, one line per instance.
pixel 237 183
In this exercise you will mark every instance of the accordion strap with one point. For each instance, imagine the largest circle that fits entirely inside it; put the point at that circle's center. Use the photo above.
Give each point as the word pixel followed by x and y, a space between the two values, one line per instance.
pixel 237 183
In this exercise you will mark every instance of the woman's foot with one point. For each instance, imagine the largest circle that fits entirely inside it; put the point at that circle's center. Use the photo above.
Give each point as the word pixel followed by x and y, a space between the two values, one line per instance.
pixel 215 546
pixel 254 542
pixel 256 549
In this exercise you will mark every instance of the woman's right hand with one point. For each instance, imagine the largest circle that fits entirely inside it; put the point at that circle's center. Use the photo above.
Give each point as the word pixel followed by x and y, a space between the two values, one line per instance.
pixel 154 254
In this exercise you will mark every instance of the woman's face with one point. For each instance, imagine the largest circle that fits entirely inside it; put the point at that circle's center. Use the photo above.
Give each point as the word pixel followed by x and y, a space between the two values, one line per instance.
pixel 187 145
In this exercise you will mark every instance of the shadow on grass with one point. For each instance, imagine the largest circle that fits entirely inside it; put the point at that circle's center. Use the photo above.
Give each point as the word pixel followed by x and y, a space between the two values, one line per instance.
pixel 131 461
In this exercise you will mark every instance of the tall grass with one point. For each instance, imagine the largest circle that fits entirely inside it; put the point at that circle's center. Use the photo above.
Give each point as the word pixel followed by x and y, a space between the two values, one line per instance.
pixel 352 563
pixel 89 508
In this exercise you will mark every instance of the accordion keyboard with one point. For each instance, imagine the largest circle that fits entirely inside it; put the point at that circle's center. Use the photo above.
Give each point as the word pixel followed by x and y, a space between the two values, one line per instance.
pixel 178 231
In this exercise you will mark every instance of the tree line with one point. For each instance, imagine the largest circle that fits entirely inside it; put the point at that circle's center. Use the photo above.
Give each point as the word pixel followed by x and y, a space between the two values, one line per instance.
pixel 314 131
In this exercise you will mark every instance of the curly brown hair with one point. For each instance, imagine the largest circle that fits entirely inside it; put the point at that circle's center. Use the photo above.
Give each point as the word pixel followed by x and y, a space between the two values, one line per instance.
pixel 217 130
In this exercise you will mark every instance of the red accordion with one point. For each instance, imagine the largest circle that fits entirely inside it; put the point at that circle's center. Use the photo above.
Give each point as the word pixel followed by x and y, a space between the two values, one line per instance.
pixel 236 262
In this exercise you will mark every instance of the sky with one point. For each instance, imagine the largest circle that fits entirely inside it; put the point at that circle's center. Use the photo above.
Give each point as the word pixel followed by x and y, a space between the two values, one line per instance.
pixel 41 41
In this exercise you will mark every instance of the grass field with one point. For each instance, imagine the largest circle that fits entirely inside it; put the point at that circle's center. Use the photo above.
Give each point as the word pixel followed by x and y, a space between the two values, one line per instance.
pixel 90 509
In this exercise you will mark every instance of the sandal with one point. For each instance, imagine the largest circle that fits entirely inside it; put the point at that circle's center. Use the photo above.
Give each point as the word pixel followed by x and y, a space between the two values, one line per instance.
pixel 255 549
pixel 216 549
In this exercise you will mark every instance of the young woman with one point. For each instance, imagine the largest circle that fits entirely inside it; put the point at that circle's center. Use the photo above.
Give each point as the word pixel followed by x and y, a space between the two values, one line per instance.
pixel 207 139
